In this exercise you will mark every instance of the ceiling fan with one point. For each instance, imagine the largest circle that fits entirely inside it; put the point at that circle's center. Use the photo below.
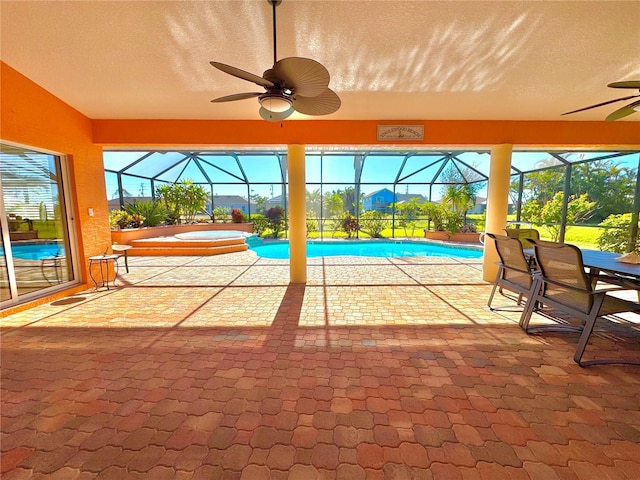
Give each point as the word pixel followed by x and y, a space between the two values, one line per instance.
pixel 633 107
pixel 292 84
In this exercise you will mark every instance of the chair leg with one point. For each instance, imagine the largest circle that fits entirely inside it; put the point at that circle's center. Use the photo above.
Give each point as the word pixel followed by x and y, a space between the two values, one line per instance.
pixel 584 338
pixel 532 302
pixel 495 285
pixel 586 334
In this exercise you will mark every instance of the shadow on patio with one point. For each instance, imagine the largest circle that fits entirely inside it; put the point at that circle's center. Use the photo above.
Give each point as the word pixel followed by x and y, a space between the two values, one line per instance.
pixel 217 367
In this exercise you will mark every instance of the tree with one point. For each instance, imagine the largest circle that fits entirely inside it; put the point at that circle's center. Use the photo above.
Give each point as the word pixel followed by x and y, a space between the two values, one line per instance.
pixel 194 199
pixel 606 181
pixel 460 198
pixel 459 195
pixel 408 212
pixel 259 200
pixel 349 199
pixel 182 199
pixel 615 237
pixel 334 203
pixel 314 202
pixel 125 193
pixel 373 223
pixel 435 214
pixel 549 214
pixel 168 195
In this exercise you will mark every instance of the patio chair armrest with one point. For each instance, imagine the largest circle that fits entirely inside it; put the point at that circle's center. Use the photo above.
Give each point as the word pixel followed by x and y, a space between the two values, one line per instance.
pixel 599 291
pixel 500 264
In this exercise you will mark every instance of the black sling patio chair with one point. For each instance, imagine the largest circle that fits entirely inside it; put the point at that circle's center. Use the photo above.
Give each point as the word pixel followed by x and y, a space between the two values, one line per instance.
pixel 562 283
pixel 514 272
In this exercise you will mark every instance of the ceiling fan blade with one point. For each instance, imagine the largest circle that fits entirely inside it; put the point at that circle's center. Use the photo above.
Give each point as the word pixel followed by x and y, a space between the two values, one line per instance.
pixel 270 116
pixel 236 96
pixel 601 104
pixel 324 104
pixel 236 72
pixel 304 76
pixel 623 112
pixel 627 84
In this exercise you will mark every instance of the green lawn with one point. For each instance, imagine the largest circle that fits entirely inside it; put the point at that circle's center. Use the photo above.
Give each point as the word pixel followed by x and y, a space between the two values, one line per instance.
pixel 46 229
pixel 584 237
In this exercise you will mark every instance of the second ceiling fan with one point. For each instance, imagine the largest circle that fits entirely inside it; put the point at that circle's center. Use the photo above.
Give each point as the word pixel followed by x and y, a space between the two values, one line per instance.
pixel 622 112
pixel 292 84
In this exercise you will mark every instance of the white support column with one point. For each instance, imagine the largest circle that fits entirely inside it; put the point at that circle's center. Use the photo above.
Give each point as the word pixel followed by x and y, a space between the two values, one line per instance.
pixel 297 214
pixel 497 205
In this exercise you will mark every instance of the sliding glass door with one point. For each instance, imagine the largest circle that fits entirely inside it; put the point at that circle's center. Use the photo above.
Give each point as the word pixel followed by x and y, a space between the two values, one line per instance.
pixel 37 255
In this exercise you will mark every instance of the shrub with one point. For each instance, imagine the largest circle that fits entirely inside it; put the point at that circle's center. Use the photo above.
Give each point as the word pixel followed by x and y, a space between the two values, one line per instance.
pixel 260 224
pixel 275 217
pixel 435 213
pixel 349 224
pixel 452 221
pixel 153 212
pixel 236 215
pixel 136 220
pixel 183 198
pixel 221 214
pixel 312 223
pixel 119 219
pixel 615 237
pixel 468 228
pixel 373 223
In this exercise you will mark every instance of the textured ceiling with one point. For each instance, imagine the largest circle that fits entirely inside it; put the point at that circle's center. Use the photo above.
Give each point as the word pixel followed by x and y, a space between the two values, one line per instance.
pixel 514 60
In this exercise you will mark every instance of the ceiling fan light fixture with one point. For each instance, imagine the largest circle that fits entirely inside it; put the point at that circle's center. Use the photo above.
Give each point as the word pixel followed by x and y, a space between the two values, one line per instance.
pixel 275 103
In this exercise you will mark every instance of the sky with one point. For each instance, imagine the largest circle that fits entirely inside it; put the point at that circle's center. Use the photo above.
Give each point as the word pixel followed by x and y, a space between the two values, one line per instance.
pixel 336 170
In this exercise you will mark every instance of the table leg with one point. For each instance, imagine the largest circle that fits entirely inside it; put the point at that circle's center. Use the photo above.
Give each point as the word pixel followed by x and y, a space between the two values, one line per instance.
pixel 95 281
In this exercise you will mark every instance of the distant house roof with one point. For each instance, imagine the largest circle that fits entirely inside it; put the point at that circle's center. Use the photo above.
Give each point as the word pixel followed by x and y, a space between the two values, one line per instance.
pixel 403 197
pixel 376 192
pixel 114 203
pixel 228 199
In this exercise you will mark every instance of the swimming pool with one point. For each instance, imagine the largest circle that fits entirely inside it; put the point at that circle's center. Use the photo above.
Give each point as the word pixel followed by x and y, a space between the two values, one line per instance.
pixel 360 248
pixel 36 251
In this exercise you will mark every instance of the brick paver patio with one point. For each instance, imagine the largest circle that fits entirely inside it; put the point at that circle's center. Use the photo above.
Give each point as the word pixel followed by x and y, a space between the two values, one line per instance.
pixel 217 368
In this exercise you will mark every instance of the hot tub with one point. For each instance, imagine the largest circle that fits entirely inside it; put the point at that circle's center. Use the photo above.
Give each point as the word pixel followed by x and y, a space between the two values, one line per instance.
pixel 213 235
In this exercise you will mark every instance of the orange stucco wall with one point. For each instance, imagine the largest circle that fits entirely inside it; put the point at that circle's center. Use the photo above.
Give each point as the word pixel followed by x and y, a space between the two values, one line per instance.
pixel 31 116
pixel 445 133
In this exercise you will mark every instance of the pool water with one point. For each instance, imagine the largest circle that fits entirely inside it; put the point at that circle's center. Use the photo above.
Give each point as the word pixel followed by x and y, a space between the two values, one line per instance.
pixel 369 249
pixel 35 251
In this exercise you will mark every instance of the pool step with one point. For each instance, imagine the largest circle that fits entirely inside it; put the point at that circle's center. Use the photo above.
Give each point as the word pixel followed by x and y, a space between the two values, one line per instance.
pixel 166 246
